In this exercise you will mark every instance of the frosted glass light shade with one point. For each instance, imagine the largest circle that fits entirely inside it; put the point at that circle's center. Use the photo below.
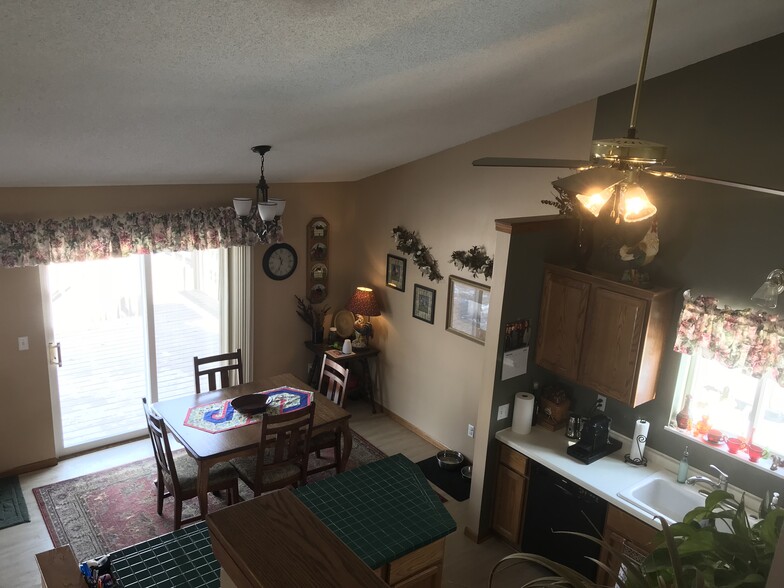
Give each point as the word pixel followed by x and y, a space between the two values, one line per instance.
pixel 243 206
pixel 595 201
pixel 267 210
pixel 281 205
pixel 634 205
pixel 767 295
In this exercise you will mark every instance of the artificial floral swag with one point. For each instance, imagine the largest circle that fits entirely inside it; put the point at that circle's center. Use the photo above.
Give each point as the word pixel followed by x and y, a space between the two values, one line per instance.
pixel 409 243
pixel 564 202
pixel 475 260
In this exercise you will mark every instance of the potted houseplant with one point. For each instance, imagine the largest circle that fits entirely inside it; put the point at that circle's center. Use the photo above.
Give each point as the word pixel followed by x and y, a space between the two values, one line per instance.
pixel 691 554
pixel 314 317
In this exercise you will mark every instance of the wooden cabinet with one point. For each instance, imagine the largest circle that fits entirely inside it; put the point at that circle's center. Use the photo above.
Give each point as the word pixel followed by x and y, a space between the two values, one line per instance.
pixel 422 568
pixel 625 534
pixel 510 487
pixel 603 334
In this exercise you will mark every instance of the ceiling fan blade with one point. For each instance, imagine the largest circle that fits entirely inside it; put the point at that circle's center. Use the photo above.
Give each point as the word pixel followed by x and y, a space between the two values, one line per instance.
pixel 764 189
pixel 526 162
pixel 590 181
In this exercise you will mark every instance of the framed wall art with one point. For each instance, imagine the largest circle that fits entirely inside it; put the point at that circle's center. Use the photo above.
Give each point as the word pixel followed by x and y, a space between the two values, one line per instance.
pixel 468 304
pixel 396 272
pixel 424 303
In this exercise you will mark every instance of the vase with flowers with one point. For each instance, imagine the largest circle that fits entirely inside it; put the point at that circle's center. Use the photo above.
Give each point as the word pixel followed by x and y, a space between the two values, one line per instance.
pixel 314 317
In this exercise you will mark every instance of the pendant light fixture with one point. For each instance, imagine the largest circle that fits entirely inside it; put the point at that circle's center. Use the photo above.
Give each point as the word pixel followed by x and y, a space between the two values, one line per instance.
pixel 262 215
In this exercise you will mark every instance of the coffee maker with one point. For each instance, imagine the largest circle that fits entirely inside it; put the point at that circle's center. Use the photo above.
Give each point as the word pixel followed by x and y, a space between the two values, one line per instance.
pixel 595 441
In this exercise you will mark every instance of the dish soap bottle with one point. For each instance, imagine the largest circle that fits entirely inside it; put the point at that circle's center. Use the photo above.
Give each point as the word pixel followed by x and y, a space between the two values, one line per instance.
pixel 683 468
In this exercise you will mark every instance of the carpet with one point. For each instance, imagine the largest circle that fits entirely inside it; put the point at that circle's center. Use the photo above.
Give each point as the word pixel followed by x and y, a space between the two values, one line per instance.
pixel 452 482
pixel 13 509
pixel 112 509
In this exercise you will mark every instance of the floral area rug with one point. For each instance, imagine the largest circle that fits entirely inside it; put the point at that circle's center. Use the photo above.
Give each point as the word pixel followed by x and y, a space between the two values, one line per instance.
pixel 108 510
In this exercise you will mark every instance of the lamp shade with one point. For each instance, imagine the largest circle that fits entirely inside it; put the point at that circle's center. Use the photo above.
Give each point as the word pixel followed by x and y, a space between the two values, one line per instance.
pixel 767 295
pixel 364 302
pixel 267 210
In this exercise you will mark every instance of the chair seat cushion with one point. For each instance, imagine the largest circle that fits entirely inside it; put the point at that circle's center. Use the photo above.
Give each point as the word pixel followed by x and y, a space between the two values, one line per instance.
pixel 246 467
pixel 221 474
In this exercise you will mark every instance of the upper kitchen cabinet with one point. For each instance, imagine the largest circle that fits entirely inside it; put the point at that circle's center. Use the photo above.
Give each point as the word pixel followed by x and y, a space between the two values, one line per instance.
pixel 603 334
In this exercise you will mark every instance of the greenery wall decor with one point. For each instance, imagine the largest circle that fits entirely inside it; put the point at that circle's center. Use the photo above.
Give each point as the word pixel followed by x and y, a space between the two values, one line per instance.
pixel 409 243
pixel 475 260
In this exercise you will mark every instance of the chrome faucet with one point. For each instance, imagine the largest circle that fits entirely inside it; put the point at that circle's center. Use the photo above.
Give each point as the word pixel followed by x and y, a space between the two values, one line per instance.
pixel 721 484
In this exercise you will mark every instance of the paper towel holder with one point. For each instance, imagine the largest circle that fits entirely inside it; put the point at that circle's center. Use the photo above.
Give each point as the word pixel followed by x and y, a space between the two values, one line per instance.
pixel 643 461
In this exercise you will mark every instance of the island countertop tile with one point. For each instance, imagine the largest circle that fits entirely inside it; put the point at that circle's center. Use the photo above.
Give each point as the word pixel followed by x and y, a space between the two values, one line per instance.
pixel 381 511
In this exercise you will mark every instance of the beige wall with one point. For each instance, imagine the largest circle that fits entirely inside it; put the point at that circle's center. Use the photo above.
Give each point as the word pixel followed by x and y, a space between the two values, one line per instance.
pixel 279 333
pixel 432 378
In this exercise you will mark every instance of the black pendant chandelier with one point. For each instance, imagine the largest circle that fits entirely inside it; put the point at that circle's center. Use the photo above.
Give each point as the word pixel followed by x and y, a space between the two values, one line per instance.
pixel 263 215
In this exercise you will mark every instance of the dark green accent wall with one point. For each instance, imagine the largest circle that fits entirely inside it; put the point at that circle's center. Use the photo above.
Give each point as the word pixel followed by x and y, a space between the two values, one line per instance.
pixel 722 118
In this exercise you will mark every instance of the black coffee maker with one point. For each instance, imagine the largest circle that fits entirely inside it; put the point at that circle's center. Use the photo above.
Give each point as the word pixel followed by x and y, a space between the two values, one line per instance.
pixel 595 441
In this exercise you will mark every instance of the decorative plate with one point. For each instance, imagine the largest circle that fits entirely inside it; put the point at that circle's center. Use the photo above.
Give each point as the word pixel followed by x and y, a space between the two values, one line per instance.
pixel 344 323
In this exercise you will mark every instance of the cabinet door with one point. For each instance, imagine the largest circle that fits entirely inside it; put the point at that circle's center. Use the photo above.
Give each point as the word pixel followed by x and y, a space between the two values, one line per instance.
pixel 627 535
pixel 561 324
pixel 508 508
pixel 612 343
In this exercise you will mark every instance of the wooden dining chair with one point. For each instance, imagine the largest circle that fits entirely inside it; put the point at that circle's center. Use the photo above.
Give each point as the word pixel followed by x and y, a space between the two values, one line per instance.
pixel 333 383
pixel 283 450
pixel 177 474
pixel 223 370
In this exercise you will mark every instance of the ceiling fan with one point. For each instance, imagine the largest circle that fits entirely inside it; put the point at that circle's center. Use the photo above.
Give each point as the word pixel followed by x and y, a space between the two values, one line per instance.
pixel 616 164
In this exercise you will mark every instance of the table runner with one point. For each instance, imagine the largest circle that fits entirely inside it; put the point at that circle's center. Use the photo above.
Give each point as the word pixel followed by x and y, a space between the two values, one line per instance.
pixel 216 417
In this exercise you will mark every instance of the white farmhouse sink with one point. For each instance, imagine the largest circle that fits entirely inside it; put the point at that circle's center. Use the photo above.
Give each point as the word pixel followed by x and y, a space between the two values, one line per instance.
pixel 660 495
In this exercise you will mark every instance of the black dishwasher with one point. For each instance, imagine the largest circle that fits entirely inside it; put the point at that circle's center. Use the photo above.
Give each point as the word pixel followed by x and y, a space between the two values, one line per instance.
pixel 557 504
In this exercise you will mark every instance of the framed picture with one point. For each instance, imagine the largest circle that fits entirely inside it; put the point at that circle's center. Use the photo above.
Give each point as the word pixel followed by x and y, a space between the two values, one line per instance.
pixel 467 307
pixel 424 303
pixel 396 272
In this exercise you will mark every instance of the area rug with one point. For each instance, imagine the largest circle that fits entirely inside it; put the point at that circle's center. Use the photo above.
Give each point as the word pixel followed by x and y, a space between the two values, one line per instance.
pixel 13 509
pixel 452 482
pixel 106 511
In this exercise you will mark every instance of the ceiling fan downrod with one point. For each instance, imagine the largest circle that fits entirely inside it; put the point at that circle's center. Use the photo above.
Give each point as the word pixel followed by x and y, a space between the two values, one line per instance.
pixel 632 132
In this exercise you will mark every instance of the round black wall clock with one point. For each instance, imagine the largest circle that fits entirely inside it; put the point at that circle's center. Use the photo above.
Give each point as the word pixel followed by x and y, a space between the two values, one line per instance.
pixel 280 261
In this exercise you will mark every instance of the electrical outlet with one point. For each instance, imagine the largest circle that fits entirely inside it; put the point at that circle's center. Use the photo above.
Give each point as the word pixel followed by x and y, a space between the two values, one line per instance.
pixel 601 402
pixel 503 411
pixel 24 343
pixel 470 430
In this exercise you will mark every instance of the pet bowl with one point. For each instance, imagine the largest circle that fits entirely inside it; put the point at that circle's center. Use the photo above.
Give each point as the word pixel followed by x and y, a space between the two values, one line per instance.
pixel 450 460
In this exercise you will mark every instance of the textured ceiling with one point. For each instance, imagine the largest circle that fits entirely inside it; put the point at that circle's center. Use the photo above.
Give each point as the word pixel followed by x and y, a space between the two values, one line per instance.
pixel 155 92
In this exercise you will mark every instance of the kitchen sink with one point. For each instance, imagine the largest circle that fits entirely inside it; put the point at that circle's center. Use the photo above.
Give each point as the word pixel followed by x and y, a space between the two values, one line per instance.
pixel 660 495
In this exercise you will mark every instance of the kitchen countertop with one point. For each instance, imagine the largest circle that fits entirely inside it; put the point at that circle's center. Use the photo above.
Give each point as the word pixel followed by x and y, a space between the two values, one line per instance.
pixel 606 476
pixel 382 510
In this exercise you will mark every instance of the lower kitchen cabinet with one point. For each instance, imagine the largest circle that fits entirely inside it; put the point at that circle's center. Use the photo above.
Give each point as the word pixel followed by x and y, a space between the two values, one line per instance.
pixel 626 534
pixel 510 488
pixel 422 568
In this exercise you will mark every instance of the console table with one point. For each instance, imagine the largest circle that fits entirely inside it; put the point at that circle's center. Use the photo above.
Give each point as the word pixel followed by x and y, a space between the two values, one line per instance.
pixel 360 356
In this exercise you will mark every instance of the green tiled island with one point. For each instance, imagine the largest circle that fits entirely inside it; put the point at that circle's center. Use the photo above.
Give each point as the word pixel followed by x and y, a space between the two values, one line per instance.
pixel 385 513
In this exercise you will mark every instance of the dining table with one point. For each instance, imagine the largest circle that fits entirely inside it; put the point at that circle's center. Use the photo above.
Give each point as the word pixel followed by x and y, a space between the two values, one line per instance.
pixel 209 448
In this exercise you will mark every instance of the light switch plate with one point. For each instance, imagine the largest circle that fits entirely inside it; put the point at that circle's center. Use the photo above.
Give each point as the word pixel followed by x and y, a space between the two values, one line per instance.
pixel 470 430
pixel 24 343
pixel 503 411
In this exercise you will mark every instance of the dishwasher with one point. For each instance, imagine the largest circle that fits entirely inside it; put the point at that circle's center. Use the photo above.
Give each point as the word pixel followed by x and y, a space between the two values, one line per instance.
pixel 557 504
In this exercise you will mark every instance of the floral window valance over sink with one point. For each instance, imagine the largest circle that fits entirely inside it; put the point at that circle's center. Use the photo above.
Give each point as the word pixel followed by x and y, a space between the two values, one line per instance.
pixel 745 339
pixel 29 243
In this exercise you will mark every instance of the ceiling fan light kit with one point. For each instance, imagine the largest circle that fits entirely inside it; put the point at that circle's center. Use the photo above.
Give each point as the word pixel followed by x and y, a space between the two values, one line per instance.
pixel 616 164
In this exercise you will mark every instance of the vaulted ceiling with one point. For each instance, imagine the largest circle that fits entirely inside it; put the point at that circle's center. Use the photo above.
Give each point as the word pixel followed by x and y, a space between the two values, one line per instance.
pixel 151 92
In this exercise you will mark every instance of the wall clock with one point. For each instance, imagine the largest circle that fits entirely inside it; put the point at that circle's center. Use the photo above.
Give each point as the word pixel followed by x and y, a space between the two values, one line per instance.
pixel 280 261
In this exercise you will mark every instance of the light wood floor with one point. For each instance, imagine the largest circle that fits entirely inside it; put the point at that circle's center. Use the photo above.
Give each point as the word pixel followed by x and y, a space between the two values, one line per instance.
pixel 467 564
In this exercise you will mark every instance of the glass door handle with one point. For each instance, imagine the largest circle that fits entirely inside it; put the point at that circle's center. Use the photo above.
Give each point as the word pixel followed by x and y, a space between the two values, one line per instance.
pixel 55 355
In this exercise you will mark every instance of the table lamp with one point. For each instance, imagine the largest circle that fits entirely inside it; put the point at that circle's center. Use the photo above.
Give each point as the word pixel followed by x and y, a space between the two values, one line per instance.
pixel 363 304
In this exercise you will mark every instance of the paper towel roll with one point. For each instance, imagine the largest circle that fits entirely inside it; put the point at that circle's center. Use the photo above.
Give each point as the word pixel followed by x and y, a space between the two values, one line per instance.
pixel 639 439
pixel 523 413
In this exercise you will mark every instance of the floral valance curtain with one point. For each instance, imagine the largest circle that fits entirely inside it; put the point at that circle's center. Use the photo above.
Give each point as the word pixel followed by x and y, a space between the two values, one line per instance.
pixel 29 243
pixel 751 341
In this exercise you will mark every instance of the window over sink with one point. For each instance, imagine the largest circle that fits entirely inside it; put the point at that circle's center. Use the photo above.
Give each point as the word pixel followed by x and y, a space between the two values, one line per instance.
pixel 718 398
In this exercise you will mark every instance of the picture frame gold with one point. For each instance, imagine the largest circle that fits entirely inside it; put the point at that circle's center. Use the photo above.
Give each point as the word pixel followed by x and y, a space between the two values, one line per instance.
pixel 468 305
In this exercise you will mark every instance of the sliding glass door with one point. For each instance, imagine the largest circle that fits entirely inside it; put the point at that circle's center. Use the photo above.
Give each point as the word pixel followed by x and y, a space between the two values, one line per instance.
pixel 123 329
